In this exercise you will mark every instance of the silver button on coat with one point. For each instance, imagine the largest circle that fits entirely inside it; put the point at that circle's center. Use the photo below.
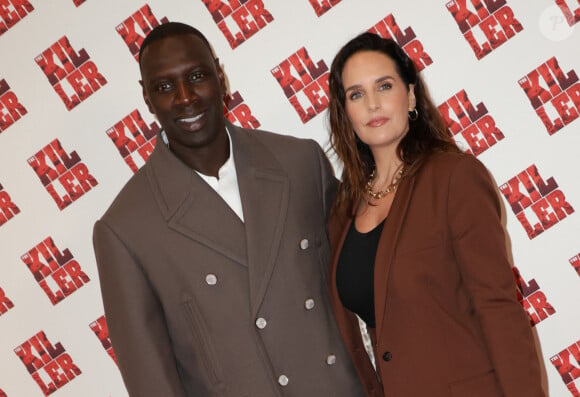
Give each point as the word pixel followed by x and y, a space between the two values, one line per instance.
pixel 211 279
pixel 283 380
pixel 261 323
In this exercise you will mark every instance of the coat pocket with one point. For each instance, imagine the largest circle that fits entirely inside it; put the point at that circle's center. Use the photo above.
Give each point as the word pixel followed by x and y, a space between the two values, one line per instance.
pixel 201 343
pixel 482 385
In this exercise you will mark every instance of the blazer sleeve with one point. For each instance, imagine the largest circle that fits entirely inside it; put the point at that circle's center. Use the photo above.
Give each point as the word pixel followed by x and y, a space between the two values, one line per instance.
pixel 135 320
pixel 479 245
pixel 329 182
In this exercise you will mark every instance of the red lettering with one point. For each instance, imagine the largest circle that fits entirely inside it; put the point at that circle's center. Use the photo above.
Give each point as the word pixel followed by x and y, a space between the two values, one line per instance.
pixel 259 13
pixel 7 208
pixel 541 209
pixel 564 108
pixel 558 202
pixel 509 24
pixel 388 28
pixel 244 116
pixel 14 110
pixel 418 55
pixel 532 231
pixel 5 303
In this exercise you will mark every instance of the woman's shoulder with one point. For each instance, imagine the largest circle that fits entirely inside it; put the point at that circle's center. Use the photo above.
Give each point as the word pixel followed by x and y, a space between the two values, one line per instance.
pixel 452 161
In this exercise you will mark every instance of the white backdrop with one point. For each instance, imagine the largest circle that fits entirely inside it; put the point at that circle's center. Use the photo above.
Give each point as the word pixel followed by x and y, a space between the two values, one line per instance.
pixel 74 128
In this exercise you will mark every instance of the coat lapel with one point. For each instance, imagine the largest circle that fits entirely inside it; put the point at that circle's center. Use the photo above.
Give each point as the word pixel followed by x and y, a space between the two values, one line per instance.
pixel 191 207
pixel 386 249
pixel 264 189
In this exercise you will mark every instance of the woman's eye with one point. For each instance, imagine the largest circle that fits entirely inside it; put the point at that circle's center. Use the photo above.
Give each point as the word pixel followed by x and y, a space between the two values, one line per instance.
pixel 354 95
pixel 385 86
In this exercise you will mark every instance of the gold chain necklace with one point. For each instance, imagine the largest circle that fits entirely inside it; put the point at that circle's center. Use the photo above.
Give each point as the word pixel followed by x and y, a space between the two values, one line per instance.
pixel 391 188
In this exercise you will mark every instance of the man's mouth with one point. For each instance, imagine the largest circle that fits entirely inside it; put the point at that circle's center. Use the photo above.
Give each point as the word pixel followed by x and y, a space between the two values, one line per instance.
pixel 189 120
pixel 191 123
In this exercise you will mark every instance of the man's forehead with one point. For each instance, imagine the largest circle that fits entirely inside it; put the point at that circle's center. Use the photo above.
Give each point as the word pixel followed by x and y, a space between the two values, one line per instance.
pixel 174 50
pixel 184 40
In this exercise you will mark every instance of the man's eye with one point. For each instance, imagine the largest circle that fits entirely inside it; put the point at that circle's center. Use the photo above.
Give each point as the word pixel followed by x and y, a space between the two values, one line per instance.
pixel 164 87
pixel 196 76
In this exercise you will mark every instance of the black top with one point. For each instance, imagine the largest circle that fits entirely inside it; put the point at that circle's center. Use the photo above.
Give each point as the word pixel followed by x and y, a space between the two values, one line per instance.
pixel 355 272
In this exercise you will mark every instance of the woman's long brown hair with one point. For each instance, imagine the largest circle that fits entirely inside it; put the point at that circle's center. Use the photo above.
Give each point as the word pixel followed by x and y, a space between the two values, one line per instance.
pixel 427 134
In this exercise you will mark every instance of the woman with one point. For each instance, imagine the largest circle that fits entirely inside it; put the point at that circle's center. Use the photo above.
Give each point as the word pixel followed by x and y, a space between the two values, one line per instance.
pixel 418 249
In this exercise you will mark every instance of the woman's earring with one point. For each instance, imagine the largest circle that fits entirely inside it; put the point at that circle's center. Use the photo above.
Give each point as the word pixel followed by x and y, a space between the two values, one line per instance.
pixel 413 114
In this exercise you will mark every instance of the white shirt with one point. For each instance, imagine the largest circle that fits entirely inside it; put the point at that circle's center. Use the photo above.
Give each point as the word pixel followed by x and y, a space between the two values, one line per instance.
pixel 226 184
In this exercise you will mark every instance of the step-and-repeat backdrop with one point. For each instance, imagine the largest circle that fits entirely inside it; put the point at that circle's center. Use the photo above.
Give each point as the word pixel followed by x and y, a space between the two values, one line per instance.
pixel 74 128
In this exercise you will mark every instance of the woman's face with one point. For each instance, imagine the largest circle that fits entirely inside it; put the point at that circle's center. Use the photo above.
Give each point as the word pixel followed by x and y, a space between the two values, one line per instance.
pixel 377 100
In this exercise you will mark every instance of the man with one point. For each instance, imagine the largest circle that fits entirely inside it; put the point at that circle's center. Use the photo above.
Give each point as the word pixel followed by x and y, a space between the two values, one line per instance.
pixel 212 259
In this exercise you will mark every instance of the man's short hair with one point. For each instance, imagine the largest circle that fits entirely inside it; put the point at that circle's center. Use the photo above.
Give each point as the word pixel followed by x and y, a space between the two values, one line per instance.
pixel 171 29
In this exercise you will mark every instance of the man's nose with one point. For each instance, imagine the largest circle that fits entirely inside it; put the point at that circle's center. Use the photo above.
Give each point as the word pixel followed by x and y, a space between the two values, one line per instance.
pixel 185 93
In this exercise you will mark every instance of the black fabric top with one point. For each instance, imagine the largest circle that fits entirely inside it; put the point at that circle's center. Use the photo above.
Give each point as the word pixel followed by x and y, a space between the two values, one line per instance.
pixel 355 272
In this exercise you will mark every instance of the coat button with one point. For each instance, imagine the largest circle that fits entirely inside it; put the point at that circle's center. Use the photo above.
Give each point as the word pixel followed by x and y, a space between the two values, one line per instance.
pixel 309 304
pixel 211 279
pixel 283 380
pixel 387 356
pixel 331 359
pixel 304 244
pixel 261 323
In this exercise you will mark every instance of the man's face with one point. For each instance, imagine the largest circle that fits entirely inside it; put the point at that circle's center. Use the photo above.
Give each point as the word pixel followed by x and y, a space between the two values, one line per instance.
pixel 183 86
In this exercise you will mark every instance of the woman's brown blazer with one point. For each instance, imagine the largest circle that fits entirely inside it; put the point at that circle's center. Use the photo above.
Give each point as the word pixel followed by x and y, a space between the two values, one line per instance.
pixel 448 322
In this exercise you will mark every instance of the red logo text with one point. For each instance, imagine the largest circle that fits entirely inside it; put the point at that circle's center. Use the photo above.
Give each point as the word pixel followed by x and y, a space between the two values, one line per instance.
pixel 572 15
pixel 12 11
pixel 100 329
pixel 406 39
pixel 532 299
pixel 134 29
pixel 7 208
pixel 50 365
pixel 5 303
pixel 57 273
pixel 305 83
pixel 567 363
pixel 238 112
pixel 555 96
pixel 65 177
pixel 469 124
pixel 485 24
pixel 73 76
pixel 134 139
pixel 239 20
pixel 537 204
pixel 322 6
pixel 11 110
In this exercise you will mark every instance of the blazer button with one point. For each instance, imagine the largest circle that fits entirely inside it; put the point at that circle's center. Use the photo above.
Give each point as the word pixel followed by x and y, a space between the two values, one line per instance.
pixel 387 356
pixel 283 380
pixel 304 244
pixel 309 304
pixel 261 323
pixel 211 279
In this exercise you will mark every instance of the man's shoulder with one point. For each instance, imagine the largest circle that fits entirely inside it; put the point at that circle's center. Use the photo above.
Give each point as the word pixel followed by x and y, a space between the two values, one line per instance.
pixel 132 196
pixel 278 140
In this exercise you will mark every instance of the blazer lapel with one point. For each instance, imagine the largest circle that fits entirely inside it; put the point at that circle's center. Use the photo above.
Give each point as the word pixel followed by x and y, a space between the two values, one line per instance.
pixel 264 189
pixel 386 249
pixel 191 207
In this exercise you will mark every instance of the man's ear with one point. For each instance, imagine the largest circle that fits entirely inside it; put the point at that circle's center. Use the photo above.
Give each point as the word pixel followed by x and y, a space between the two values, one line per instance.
pixel 146 97
pixel 221 77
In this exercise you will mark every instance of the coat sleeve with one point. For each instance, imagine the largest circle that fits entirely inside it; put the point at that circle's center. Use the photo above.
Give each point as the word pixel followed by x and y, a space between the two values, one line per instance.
pixel 329 182
pixel 135 320
pixel 479 246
